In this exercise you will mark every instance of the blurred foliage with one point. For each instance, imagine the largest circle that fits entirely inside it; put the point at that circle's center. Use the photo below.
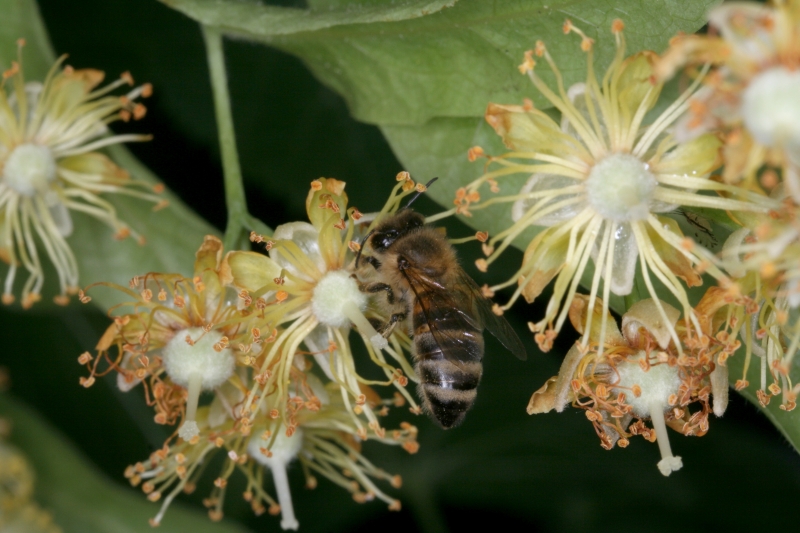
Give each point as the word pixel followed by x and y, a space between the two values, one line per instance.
pixel 79 497
pixel 545 473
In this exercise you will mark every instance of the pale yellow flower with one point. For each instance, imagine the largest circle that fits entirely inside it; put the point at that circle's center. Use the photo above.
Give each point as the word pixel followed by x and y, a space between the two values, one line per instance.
pixel 307 289
pixel 50 134
pixel 180 336
pixel 751 93
pixel 639 374
pixel 601 184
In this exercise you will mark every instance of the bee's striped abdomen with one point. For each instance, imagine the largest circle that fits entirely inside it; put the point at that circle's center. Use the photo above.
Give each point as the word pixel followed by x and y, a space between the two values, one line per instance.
pixel 448 383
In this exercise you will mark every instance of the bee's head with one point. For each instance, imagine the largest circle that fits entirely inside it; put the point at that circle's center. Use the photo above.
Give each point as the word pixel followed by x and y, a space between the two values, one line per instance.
pixel 396 226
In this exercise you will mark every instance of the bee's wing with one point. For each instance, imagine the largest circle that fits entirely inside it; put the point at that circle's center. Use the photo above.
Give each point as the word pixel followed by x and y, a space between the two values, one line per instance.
pixel 462 308
pixel 448 317
pixel 497 325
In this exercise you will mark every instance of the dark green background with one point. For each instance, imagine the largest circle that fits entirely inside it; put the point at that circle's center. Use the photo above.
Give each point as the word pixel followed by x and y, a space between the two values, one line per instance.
pixel 545 473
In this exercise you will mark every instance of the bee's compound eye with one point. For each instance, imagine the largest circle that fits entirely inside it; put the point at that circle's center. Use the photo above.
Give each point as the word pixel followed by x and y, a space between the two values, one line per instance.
pixel 385 239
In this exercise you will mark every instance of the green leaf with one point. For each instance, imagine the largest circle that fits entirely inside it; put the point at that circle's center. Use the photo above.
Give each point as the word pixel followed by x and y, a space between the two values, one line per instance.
pixel 78 496
pixel 448 63
pixel 172 234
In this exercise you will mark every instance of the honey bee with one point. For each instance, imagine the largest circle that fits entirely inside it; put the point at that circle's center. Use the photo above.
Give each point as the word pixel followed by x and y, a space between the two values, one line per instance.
pixel 421 276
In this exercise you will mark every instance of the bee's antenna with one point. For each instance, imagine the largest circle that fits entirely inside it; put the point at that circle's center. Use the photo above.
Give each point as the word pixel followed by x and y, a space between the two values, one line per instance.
pixel 413 198
pixel 361 247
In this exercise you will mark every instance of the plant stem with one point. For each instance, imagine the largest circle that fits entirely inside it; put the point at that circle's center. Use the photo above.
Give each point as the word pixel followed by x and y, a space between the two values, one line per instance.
pixel 235 201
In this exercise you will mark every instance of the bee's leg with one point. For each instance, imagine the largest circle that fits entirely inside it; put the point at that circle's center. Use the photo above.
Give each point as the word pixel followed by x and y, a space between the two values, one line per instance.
pixel 372 261
pixel 379 287
pixel 386 329
pixel 379 325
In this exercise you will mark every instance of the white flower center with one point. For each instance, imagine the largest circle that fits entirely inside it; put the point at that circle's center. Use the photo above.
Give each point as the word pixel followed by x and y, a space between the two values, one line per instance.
pixel 620 188
pixel 657 384
pixel 337 300
pixel 29 168
pixel 771 108
pixel 182 360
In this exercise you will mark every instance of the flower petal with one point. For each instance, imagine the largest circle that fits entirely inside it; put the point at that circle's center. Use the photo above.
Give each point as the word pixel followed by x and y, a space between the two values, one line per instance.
pixel 695 158
pixel 227 396
pixel 562 390
pixel 325 198
pixel 330 243
pixel 792 177
pixel 634 85
pixel 742 155
pixel 543 400
pixel 543 260
pixel 547 183
pixel 249 270
pixel 533 131
pixel 92 168
pixel 673 258
pixel 626 254
pixel 707 309
pixel 719 389
pixel 306 237
pixel 645 314
pixel 578 311
pixel 206 267
pixel 72 87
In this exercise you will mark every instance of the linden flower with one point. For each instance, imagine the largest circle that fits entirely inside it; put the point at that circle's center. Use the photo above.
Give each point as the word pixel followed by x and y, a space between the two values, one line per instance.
pixel 306 287
pixel 182 336
pixel 752 93
pixel 322 439
pixel 639 374
pixel 49 136
pixel 598 182
pixel 766 263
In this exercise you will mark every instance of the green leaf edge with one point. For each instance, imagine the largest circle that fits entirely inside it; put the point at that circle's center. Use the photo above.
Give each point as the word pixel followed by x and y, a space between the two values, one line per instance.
pixel 259 21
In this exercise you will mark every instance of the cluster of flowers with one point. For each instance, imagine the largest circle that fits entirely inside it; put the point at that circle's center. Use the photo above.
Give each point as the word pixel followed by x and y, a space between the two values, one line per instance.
pixel 616 181
pixel 612 188
pixel 269 336
pixel 18 510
